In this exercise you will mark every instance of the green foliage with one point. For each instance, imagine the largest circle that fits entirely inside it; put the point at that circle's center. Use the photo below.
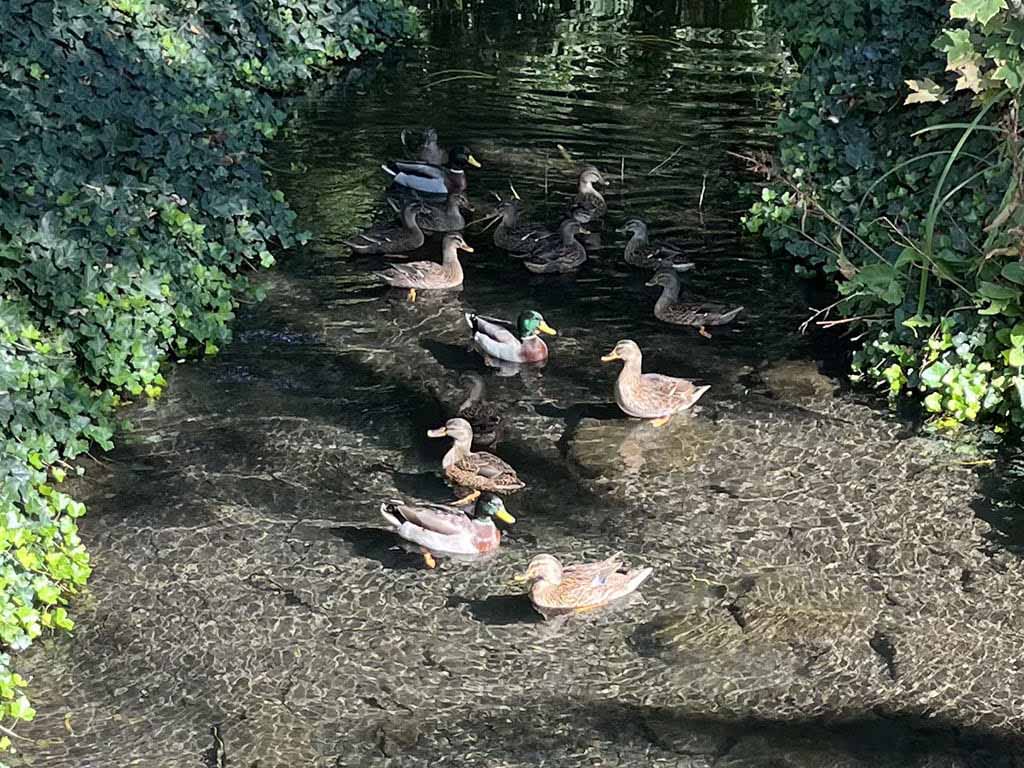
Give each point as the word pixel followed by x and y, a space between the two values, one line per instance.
pixel 901 175
pixel 130 132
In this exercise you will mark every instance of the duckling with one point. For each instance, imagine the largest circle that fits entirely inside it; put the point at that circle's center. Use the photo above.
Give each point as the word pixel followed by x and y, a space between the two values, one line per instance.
pixel 565 256
pixel 669 309
pixel 391 238
pixel 640 252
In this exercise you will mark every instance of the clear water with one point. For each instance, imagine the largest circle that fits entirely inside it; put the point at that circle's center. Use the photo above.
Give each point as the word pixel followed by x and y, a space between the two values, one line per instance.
pixel 821 581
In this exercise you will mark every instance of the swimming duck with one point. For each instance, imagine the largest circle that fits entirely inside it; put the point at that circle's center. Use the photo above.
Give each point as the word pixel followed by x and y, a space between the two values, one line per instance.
pixel 429 151
pixel 515 236
pixel 649 395
pixel 429 275
pixel 483 417
pixel 669 309
pixel 640 252
pixel 589 202
pixel 433 179
pixel 564 256
pixel 443 529
pixel 447 217
pixel 559 591
pixel 517 343
pixel 476 471
pixel 391 238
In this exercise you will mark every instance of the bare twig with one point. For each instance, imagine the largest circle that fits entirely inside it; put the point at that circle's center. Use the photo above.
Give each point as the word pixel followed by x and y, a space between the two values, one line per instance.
pixel 665 162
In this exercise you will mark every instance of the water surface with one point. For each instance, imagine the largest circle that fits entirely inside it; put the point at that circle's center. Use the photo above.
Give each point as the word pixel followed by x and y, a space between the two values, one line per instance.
pixel 823 592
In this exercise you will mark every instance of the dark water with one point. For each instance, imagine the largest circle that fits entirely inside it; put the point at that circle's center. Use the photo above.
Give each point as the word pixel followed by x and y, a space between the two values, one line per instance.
pixel 824 593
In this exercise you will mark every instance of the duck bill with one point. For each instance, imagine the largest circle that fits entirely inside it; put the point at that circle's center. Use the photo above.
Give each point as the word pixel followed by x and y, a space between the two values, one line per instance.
pixel 439 432
pixel 520 577
pixel 650 284
pixel 545 328
pixel 610 357
pixel 584 231
pixel 684 267
pixel 503 515
pixel 465 248
pixel 473 161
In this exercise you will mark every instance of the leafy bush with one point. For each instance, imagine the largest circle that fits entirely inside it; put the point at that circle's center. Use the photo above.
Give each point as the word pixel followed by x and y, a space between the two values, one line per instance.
pixel 900 175
pixel 130 132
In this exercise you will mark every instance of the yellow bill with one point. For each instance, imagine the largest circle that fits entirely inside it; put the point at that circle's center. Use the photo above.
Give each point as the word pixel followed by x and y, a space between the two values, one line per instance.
pixel 545 328
pixel 439 432
pixel 610 356
pixel 520 577
pixel 503 515
pixel 473 161
pixel 466 248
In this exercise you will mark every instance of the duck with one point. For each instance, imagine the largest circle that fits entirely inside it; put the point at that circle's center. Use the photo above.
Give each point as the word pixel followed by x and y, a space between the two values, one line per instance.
pixel 477 471
pixel 429 150
pixel 640 251
pixel 566 255
pixel 669 309
pixel 486 420
pixel 649 395
pixel 429 275
pixel 589 203
pixel 513 343
pixel 447 217
pixel 447 530
pixel 483 417
pixel 515 236
pixel 433 179
pixel 391 238
pixel 556 590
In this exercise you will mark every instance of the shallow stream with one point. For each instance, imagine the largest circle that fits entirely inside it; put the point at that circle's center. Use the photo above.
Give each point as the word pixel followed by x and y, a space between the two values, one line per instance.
pixel 824 593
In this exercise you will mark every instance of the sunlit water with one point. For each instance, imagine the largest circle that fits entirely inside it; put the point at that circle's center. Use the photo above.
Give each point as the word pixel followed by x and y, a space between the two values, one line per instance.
pixel 817 566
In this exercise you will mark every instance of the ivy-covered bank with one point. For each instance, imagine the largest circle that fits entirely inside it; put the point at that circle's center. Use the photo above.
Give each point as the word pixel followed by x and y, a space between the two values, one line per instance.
pixel 133 204
pixel 900 173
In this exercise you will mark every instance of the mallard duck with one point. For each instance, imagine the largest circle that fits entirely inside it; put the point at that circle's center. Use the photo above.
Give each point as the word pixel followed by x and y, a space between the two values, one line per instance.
pixel 476 471
pixel 649 395
pixel 447 217
pixel 589 202
pixel 433 179
pixel 483 417
pixel 515 236
pixel 669 309
pixel 640 252
pixel 428 151
pixel 392 238
pixel 443 529
pixel 557 591
pixel 429 275
pixel 564 256
pixel 517 343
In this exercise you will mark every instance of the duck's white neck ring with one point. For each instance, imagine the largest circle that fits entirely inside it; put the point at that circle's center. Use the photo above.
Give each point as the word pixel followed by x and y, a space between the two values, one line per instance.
pixel 456 170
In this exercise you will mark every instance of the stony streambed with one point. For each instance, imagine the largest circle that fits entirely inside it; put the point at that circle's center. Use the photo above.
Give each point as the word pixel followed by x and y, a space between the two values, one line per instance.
pixel 824 593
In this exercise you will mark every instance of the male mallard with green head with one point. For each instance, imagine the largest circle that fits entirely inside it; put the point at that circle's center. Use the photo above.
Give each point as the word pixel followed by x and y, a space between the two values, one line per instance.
pixel 517 343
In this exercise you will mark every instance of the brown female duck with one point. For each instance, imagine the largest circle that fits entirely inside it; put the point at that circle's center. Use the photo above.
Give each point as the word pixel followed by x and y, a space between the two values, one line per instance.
pixel 475 471
pixel 447 217
pixel 641 252
pixel 669 309
pixel 589 204
pixel 565 256
pixel 429 275
pixel 391 238
pixel 558 591
pixel 515 236
pixel 649 395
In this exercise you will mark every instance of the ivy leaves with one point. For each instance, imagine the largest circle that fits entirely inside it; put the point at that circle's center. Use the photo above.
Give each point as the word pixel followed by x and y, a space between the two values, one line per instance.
pixel 133 207
pixel 981 11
